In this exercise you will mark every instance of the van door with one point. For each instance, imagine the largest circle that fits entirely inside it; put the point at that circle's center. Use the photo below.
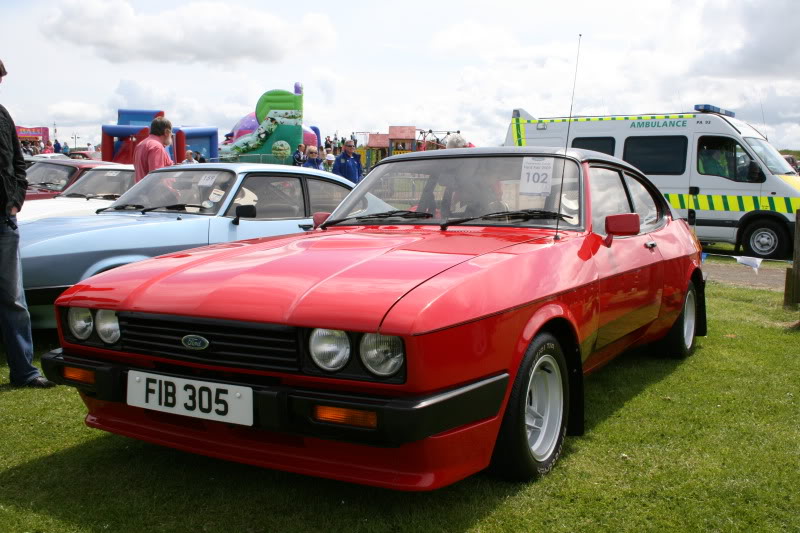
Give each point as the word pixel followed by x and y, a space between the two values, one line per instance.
pixel 725 190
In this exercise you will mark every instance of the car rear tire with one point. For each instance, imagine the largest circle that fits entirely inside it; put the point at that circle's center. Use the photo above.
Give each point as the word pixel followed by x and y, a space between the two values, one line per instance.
pixel 681 339
pixel 535 422
pixel 766 239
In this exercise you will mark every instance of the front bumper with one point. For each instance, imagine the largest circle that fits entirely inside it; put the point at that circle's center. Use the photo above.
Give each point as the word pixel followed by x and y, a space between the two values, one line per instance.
pixel 290 410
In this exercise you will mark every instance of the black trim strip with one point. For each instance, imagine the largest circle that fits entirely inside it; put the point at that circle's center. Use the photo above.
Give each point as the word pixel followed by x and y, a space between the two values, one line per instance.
pixel 286 409
pixel 717 223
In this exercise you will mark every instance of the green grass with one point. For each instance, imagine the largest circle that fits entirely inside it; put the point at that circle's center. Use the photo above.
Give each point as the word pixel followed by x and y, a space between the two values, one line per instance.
pixel 706 444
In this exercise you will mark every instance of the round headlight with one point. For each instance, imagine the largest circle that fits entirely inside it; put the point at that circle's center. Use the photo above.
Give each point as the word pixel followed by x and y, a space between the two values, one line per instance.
pixel 382 354
pixel 330 348
pixel 80 322
pixel 107 326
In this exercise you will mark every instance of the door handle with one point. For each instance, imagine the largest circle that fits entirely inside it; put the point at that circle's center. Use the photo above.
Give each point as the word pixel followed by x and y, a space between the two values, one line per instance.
pixel 650 244
pixel 694 191
pixel 305 227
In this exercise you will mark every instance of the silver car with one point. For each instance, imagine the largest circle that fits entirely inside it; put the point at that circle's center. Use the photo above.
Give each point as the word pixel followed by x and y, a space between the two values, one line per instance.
pixel 171 209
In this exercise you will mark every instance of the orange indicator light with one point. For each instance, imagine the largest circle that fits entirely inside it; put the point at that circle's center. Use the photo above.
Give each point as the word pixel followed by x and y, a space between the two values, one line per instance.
pixel 79 374
pixel 349 417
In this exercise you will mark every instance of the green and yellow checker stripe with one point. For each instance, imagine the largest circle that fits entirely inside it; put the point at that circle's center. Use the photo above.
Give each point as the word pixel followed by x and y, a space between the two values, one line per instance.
pixel 518 125
pixel 724 202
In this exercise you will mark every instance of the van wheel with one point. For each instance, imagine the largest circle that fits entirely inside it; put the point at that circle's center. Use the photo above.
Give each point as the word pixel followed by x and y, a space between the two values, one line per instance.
pixel 766 239
pixel 680 341
pixel 535 422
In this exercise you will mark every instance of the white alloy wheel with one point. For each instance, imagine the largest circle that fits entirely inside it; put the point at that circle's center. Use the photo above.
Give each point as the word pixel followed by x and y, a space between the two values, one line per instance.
pixel 689 318
pixel 544 407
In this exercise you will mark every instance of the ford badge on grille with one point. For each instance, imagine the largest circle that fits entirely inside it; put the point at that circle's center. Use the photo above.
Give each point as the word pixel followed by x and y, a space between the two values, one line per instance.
pixel 195 342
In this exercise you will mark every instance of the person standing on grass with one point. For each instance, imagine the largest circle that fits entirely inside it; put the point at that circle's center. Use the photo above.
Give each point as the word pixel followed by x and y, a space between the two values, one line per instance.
pixel 151 154
pixel 312 158
pixel 348 164
pixel 15 321
pixel 299 156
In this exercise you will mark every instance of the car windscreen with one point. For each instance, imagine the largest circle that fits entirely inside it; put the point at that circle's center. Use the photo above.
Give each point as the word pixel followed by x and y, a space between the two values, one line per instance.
pixel 97 182
pixel 199 191
pixel 49 176
pixel 770 156
pixel 437 190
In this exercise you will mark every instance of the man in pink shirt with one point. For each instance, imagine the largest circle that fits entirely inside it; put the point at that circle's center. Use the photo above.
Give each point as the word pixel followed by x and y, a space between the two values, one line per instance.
pixel 151 153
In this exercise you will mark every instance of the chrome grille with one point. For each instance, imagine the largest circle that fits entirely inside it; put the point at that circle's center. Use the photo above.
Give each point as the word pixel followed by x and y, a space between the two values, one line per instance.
pixel 231 343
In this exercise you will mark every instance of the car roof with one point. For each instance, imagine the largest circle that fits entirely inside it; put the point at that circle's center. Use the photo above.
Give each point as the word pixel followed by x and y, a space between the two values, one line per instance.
pixel 578 154
pixel 259 167
pixel 113 166
pixel 73 162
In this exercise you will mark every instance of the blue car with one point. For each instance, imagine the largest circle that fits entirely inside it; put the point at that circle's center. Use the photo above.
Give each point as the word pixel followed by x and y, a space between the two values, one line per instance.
pixel 171 209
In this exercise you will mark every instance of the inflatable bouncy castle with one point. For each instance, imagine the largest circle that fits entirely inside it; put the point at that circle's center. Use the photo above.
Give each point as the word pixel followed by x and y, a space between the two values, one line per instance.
pixel 133 126
pixel 279 115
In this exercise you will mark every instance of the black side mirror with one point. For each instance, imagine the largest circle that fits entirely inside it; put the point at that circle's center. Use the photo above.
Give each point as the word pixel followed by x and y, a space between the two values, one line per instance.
pixel 244 211
pixel 754 174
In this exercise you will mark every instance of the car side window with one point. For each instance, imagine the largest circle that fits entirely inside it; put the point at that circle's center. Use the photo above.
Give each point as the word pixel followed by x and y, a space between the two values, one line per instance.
pixel 273 196
pixel 644 204
pixel 723 157
pixel 608 197
pixel 325 196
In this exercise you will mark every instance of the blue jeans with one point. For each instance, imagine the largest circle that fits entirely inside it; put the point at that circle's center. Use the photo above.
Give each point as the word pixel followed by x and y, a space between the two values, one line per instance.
pixel 15 322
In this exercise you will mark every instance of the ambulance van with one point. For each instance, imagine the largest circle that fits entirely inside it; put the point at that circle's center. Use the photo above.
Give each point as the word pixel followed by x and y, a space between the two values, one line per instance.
pixel 741 188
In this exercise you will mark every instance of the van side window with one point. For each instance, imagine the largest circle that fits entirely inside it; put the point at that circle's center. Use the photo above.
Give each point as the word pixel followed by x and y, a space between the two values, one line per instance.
pixel 723 157
pixel 643 203
pixel 657 154
pixel 598 144
pixel 608 197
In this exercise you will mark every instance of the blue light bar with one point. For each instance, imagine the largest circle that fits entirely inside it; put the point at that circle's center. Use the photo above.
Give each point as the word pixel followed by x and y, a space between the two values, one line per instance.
pixel 707 108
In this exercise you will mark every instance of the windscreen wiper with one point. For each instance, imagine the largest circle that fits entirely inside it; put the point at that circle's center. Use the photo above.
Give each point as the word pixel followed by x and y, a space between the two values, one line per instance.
pixel 402 213
pixel 121 207
pixel 173 206
pixel 522 214
pixel 88 196
pixel 43 183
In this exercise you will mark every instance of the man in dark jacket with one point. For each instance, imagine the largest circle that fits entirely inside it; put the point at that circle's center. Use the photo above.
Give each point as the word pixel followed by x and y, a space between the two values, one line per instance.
pixel 348 164
pixel 15 321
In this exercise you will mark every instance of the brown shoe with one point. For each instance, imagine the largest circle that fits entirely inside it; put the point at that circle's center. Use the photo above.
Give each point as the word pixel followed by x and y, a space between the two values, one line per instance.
pixel 40 383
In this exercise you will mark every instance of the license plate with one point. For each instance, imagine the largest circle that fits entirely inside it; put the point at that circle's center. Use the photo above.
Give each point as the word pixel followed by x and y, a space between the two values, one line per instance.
pixel 191 397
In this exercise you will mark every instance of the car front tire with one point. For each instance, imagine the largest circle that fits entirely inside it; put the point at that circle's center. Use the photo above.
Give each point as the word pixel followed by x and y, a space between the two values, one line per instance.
pixel 532 434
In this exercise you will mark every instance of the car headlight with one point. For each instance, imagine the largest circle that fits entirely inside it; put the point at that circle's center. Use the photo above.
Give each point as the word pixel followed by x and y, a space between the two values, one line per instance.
pixel 382 354
pixel 80 322
pixel 330 348
pixel 107 326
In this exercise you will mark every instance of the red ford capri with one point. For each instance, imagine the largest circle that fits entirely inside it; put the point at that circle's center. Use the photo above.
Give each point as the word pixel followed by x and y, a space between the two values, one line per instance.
pixel 440 321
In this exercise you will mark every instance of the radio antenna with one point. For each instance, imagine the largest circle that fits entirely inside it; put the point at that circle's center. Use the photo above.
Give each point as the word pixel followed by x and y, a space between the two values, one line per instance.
pixel 763 120
pixel 566 141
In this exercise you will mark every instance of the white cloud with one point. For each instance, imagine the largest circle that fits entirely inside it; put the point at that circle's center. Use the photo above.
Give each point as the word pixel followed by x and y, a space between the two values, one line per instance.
pixel 370 66
pixel 78 112
pixel 198 32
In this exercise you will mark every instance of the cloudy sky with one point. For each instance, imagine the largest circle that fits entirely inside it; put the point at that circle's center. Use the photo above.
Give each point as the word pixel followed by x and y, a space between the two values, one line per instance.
pixel 368 65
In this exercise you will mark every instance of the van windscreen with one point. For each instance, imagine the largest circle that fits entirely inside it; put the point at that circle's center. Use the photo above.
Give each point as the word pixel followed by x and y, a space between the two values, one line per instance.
pixel 770 156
